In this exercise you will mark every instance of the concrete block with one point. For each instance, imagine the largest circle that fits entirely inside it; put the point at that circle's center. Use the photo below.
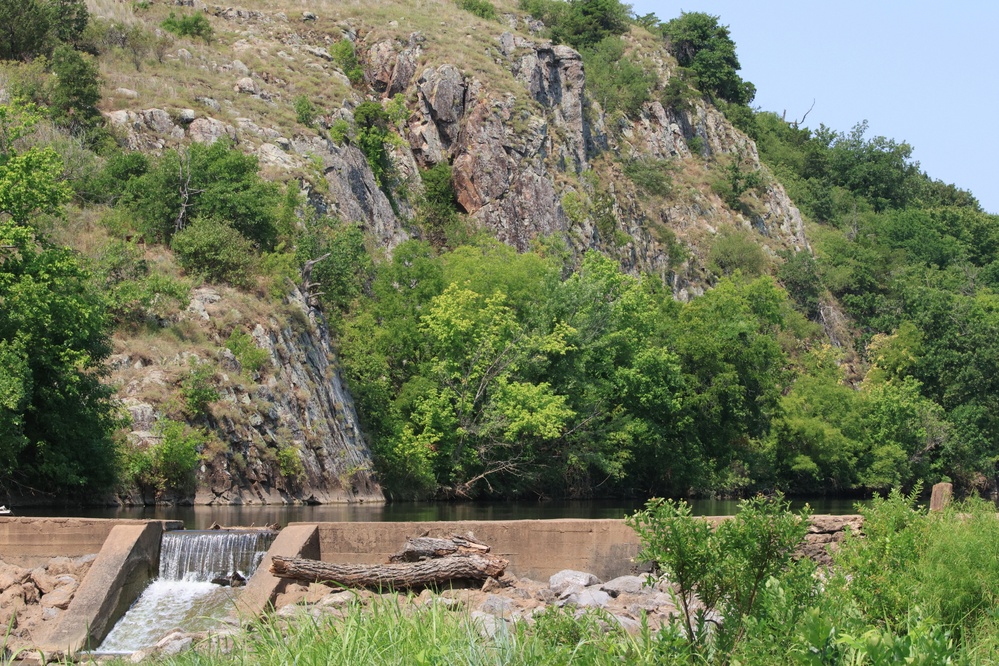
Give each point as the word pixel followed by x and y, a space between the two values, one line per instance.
pixel 296 540
pixel 128 560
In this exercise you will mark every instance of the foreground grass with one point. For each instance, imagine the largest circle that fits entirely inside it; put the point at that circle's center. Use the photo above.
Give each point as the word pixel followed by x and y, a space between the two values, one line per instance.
pixel 401 633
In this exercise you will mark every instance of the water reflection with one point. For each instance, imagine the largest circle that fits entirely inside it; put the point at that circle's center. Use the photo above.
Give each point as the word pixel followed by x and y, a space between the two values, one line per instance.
pixel 201 517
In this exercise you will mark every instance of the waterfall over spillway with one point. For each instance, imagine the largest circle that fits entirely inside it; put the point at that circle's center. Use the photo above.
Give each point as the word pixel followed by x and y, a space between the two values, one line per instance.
pixel 184 596
pixel 206 556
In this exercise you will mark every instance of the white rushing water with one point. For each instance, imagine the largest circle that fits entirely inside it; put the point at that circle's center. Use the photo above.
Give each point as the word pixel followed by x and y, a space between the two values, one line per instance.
pixel 184 596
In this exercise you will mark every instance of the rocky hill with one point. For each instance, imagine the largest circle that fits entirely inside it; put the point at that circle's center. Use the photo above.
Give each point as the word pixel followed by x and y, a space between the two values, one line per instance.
pixel 533 155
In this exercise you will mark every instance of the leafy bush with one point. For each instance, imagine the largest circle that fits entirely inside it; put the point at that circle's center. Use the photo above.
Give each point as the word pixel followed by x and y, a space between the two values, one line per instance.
pixel 614 80
pixel 346 59
pixel 175 457
pixel 197 388
pixel 189 25
pixel 214 181
pixel 77 89
pixel 305 111
pixel 437 213
pixel 56 415
pixel 215 251
pixel 799 274
pixel 107 185
pixel 696 144
pixel 372 132
pixel 289 460
pixel 481 8
pixel 580 23
pixel 346 268
pixel 736 250
pixel 677 94
pixel 652 176
pixel 340 131
pixel 726 568
pixel 26 29
pixel 246 351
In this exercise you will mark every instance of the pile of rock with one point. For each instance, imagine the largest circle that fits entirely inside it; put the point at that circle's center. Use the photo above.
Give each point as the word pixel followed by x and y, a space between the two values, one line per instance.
pixel 31 599
pixel 501 602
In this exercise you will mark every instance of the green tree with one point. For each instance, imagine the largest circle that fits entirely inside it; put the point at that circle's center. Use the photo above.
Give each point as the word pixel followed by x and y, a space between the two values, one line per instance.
pixel 580 23
pixel 30 181
pixel 215 181
pixel 700 43
pixel 56 416
pixel 372 132
pixel 481 419
pixel 342 265
pixel 24 29
pixel 77 89
pixel 879 169
pixel 68 19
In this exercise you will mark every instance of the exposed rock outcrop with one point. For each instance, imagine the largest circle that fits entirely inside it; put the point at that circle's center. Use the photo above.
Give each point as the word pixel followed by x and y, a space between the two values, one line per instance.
pixel 289 433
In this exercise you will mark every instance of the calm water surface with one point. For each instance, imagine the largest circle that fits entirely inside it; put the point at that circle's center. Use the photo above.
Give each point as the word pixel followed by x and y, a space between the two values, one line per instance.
pixel 200 517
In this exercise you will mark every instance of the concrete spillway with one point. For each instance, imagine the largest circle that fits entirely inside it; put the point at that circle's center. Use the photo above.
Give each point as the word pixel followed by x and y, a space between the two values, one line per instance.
pixel 184 595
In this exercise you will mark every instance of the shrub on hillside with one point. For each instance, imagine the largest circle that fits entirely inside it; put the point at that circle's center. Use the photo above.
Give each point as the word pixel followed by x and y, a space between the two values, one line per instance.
pixel 305 111
pixel 580 23
pixel 481 8
pixel 205 181
pixel 737 251
pixel 191 25
pixel 616 81
pixel 215 251
pixel 346 59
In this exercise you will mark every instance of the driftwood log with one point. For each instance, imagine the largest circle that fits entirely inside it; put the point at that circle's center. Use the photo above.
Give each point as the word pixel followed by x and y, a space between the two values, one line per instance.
pixel 427 548
pixel 396 576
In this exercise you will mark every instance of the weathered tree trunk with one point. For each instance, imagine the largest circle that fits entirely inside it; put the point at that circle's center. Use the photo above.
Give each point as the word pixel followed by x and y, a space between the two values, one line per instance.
pixel 396 576
pixel 427 548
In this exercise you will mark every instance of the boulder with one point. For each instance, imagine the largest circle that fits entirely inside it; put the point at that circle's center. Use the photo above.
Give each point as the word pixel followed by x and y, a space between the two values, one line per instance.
pixel 629 584
pixel 157 120
pixel 59 597
pixel 586 598
pixel 11 575
pixel 246 85
pixel 497 605
pixel 210 130
pixel 558 582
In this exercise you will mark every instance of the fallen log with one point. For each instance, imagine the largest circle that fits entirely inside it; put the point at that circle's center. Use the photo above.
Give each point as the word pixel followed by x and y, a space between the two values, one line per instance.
pixel 427 548
pixel 395 576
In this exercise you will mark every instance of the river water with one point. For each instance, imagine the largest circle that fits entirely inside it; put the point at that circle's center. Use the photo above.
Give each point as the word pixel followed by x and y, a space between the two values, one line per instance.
pixel 201 517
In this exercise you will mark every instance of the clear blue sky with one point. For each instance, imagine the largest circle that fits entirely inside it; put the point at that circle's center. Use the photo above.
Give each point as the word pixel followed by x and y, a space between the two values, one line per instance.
pixel 918 71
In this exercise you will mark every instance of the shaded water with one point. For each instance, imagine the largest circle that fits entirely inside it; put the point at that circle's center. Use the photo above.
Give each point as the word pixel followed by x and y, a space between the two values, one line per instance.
pixel 183 596
pixel 200 517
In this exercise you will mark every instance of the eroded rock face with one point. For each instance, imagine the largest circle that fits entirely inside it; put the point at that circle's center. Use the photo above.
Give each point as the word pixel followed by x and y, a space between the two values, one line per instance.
pixel 353 193
pixel 392 64
pixel 306 406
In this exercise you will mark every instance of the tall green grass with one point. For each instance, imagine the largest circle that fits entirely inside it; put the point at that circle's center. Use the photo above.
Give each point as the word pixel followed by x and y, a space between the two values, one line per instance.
pixel 407 633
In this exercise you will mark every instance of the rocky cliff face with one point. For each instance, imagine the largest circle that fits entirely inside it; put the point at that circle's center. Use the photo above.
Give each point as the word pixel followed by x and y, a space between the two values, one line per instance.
pixel 286 434
pixel 521 141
